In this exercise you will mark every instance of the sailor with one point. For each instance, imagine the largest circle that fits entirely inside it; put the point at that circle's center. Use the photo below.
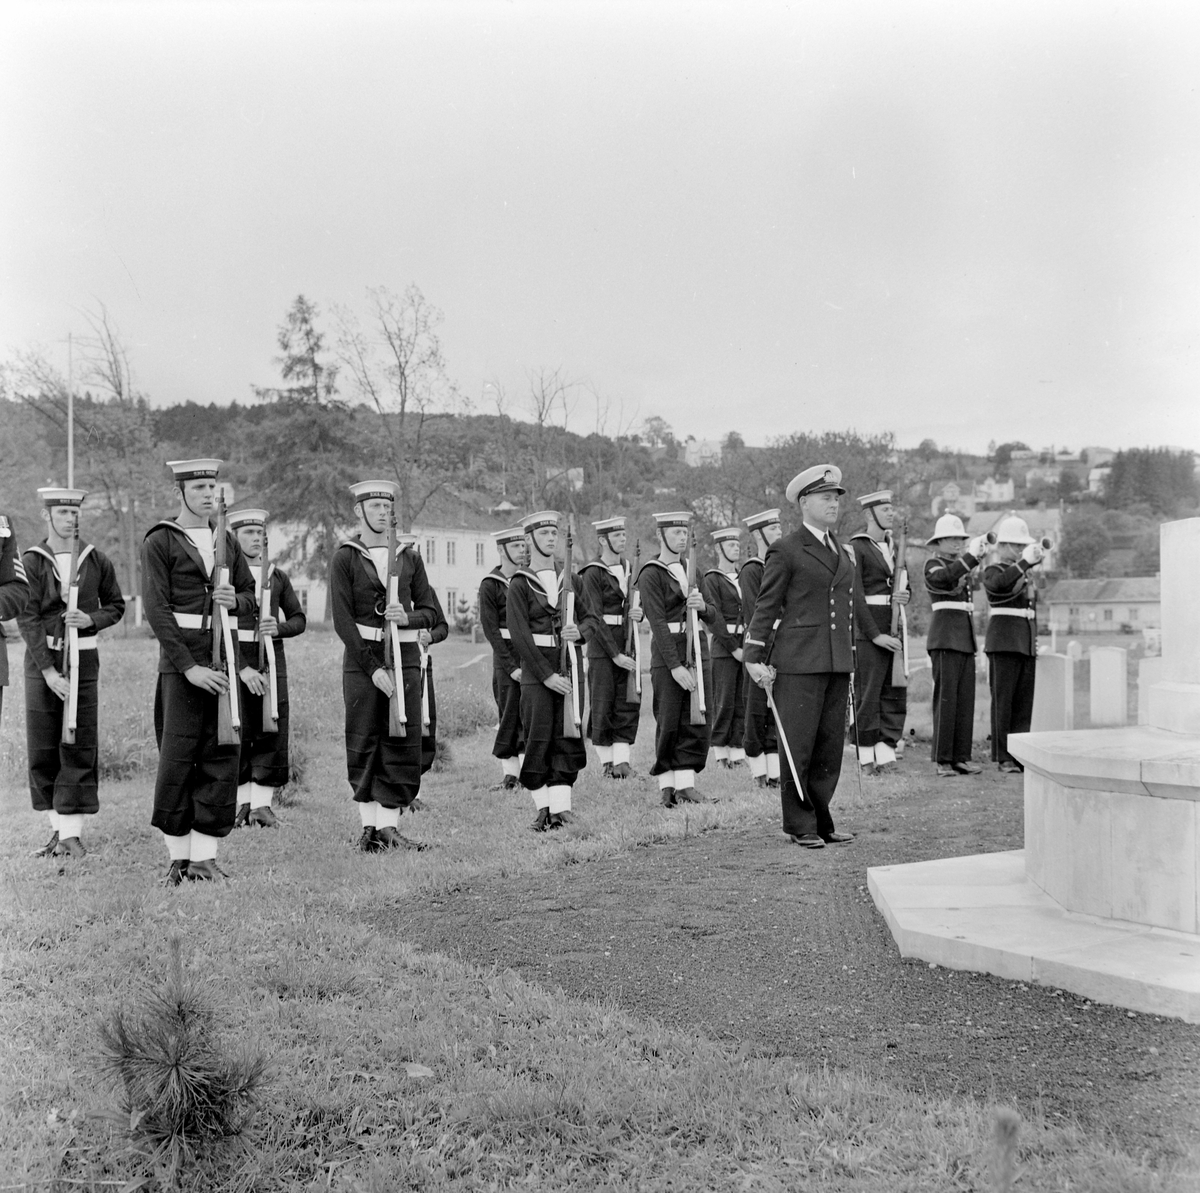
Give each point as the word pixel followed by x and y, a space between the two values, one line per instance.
pixel 951 644
pixel 384 771
pixel 607 588
pixel 506 667
pixel 14 592
pixel 64 775
pixel 722 590
pixel 195 792
pixel 553 756
pixel 680 747
pixel 758 736
pixel 264 766
pixel 808 592
pixel 1011 641
pixel 880 705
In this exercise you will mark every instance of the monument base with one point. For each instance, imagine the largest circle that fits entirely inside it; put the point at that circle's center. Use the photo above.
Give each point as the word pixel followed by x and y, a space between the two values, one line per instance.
pixel 981 913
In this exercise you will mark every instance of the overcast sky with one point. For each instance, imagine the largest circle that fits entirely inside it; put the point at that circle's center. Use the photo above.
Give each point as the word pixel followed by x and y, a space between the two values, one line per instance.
pixel 964 221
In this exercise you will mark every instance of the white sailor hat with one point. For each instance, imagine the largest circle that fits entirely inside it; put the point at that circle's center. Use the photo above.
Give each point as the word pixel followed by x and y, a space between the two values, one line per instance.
pixel 1013 530
pixel 405 540
pixel 605 525
pixel 55 496
pixel 374 491
pixel 883 497
pixel 239 518
pixel 948 526
pixel 759 520
pixel 821 478
pixel 532 522
pixel 513 534
pixel 193 470
pixel 729 532
pixel 676 518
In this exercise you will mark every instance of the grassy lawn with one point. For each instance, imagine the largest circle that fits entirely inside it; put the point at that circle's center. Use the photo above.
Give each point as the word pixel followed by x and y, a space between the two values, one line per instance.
pixel 393 1069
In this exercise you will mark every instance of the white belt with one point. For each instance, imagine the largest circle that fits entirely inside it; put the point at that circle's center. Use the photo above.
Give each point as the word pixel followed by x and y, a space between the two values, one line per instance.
pixel 1028 614
pixel 880 599
pixel 734 628
pixel 506 635
pixel 189 621
pixel 957 606
pixel 775 623
pixel 84 643
pixel 613 619
pixel 375 633
pixel 545 640
pixel 245 635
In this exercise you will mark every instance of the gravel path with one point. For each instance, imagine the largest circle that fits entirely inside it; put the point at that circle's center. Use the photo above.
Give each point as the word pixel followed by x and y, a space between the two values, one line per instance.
pixel 745 937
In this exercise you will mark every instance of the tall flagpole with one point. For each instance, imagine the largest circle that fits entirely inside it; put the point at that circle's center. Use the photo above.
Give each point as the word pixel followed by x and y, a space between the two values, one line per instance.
pixel 70 416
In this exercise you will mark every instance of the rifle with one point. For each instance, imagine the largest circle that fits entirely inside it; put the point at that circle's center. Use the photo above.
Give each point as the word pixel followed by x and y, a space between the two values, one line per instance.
pixel 694 659
pixel 392 659
pixel 899 621
pixel 229 722
pixel 71 644
pixel 266 646
pixel 633 640
pixel 568 665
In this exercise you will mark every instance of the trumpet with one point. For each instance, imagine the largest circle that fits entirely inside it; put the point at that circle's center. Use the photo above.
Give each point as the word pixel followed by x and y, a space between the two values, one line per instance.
pixel 1046 543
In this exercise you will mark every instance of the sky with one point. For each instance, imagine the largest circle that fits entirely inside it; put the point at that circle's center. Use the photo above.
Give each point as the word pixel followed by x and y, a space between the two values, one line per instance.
pixel 965 222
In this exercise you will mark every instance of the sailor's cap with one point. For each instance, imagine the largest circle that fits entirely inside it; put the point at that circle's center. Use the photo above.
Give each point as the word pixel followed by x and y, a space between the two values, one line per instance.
pixel 194 470
pixel 729 532
pixel 821 478
pixel 374 491
pixel 52 495
pixel 608 524
pixel 675 518
pixel 513 534
pixel 764 518
pixel 542 518
pixel 405 540
pixel 236 519
pixel 883 497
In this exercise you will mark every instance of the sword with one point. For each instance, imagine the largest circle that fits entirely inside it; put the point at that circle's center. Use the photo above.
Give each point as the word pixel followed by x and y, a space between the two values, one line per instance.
pixel 787 749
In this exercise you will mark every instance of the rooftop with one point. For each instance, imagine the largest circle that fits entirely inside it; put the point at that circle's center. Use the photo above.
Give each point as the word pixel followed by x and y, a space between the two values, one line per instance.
pixel 1125 588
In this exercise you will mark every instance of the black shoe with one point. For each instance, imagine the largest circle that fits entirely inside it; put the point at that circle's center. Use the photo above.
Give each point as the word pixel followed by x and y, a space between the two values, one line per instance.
pixel 177 873
pixel 511 782
pixel 368 842
pixel 668 797
pixel 946 771
pixel 774 782
pixel 607 771
pixel 622 770
pixel 868 769
pixel 807 841
pixel 242 817
pixel 542 823
pixel 202 871
pixel 417 805
pixel 838 838
pixel 687 795
pixel 886 768
pixel 760 780
pixel 555 820
pixel 967 768
pixel 563 817
pixel 1011 767
pixel 50 848
pixel 71 847
pixel 264 818
pixel 391 838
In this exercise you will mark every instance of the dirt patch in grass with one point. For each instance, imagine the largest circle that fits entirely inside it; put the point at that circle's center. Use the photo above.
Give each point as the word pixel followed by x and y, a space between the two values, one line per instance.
pixel 742 936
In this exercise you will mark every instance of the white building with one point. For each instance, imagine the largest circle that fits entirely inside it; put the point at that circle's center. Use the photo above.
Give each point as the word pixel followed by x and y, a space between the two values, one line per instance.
pixel 1129 604
pixel 697 452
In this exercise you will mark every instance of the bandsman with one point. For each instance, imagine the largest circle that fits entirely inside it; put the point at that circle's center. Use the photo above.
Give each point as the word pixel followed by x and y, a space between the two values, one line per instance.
pixel 723 591
pixel 680 748
pixel 759 736
pixel 384 771
pixel 264 765
pixel 809 593
pixel 606 585
pixel 506 667
pixel 1011 641
pixel 951 644
pixel 880 705
pixel 14 592
pixel 195 791
pixel 64 774
pixel 553 758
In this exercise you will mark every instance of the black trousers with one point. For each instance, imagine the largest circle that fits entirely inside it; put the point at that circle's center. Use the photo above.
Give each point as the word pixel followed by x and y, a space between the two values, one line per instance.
pixel 758 733
pixel 551 760
pixel 196 786
pixel 953 705
pixel 813 710
pixel 880 707
pixel 728 701
pixel 678 744
pixel 613 718
pixel 1010 680
pixel 507 693
pixel 63 778
pixel 383 769
pixel 264 756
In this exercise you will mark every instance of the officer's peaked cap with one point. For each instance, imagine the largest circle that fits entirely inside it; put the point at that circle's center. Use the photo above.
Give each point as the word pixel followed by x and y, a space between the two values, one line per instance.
pixel 821 478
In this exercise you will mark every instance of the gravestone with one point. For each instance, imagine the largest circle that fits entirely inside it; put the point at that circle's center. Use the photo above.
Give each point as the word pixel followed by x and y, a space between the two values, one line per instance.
pixel 1150 672
pixel 1109 686
pixel 1054 694
pixel 1074 650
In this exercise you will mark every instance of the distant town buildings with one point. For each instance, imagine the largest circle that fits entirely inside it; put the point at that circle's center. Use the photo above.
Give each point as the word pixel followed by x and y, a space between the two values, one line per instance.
pixel 697 452
pixel 1121 606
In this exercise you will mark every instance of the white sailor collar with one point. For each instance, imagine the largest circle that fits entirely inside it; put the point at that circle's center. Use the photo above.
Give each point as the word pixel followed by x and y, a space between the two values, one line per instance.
pixel 43 549
pixel 535 581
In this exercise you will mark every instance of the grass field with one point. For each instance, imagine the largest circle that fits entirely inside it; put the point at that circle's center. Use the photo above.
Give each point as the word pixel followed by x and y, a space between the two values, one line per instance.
pixel 392 1069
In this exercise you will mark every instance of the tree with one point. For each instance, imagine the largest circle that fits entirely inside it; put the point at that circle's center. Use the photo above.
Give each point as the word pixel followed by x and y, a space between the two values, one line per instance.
pixel 1085 542
pixel 308 377
pixel 1002 455
pixel 657 432
pixel 1163 479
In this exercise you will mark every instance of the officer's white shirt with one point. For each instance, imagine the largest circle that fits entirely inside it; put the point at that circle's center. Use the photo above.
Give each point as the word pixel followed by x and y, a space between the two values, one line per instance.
pixel 822 536
pixel 202 540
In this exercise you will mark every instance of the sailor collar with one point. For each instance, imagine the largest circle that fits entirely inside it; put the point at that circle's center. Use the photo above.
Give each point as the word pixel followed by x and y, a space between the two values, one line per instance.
pixel 497 574
pixel 43 549
pixel 535 580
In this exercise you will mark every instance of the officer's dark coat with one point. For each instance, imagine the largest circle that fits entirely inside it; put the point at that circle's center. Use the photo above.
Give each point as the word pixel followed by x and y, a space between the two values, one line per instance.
pixel 506 691
pixel 758 735
pixel 614 718
pixel 14 589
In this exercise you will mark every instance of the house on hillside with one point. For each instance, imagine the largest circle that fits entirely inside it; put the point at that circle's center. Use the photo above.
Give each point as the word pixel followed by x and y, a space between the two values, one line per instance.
pixel 994 492
pixel 697 452
pixel 1106 606
pixel 1042 523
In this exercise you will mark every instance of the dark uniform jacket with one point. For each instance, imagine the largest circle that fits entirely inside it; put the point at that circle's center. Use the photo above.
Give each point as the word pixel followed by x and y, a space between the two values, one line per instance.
pixel 14 587
pixel 99 596
pixel 285 608
pixel 530 612
pixel 812 590
pixel 875 579
pixel 174 580
pixel 493 616
pixel 359 598
pixel 606 623
pixel 725 597
pixel 1008 586
pixel 950 580
pixel 750 578
pixel 665 607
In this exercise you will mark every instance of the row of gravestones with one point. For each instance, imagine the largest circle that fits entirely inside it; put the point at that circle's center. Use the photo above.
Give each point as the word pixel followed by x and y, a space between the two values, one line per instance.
pixel 1054 694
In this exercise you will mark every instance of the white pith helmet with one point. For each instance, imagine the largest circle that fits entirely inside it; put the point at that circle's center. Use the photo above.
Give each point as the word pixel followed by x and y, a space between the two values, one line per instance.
pixel 1013 530
pixel 949 526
